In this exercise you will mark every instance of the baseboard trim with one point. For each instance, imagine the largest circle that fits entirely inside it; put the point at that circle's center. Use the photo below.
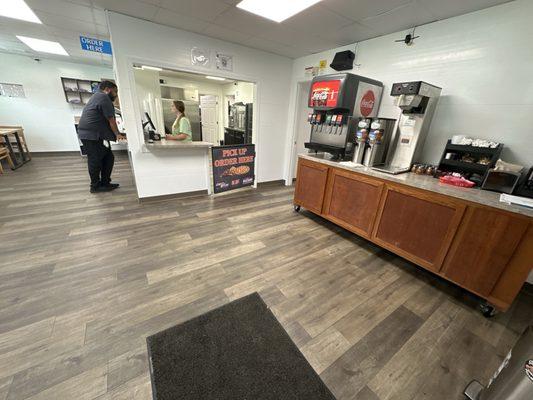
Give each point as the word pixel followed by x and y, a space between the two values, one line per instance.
pixel 278 182
pixel 55 153
pixel 65 153
pixel 164 197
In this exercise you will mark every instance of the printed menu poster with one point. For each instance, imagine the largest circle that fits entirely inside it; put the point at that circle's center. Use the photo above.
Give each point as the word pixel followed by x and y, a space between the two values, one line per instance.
pixel 233 166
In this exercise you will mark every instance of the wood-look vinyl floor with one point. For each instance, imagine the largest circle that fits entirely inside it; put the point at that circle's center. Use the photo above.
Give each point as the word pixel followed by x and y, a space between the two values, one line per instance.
pixel 84 278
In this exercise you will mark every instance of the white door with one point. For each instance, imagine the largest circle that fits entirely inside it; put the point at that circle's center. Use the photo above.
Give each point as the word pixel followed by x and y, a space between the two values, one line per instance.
pixel 302 127
pixel 209 110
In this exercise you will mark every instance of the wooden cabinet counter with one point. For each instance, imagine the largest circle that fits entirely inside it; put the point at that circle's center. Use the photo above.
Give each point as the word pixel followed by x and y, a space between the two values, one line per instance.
pixel 466 237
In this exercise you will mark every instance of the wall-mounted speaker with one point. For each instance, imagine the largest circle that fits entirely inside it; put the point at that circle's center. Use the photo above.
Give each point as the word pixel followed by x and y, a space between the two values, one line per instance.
pixel 343 60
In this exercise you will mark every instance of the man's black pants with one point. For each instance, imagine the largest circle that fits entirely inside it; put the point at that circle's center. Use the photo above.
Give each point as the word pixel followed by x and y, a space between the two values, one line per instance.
pixel 100 160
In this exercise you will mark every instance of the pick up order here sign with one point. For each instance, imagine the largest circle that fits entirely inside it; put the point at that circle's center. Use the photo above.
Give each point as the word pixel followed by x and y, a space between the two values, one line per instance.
pixel 96 45
pixel 233 166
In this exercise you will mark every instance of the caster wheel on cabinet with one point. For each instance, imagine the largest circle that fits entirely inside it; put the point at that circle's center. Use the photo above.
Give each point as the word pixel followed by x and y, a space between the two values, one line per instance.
pixel 487 310
pixel 296 208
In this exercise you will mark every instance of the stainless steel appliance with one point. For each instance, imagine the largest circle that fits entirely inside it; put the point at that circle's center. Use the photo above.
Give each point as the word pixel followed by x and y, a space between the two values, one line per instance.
pixel 361 140
pixel 379 138
pixel 417 101
pixel 239 129
pixel 338 101
pixel 514 378
pixel 192 111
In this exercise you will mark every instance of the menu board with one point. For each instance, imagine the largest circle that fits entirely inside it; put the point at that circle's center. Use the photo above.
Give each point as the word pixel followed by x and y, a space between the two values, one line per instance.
pixel 233 166
pixel 324 94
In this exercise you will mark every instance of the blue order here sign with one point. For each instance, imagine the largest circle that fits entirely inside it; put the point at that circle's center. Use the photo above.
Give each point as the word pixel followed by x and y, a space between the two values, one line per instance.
pixel 96 45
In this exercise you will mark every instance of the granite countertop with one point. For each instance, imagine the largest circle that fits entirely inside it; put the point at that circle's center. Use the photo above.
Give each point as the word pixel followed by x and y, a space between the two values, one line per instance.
pixel 175 144
pixel 485 197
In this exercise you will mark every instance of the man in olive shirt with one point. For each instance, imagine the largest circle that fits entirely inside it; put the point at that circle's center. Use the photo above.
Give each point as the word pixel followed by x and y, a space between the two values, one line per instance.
pixel 97 124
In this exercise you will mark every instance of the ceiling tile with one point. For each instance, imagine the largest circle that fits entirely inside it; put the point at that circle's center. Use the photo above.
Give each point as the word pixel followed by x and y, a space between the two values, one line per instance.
pixel 88 3
pixel 402 18
pixel 71 23
pixel 276 48
pixel 350 34
pixel 315 20
pixel 290 37
pixel 230 35
pixel 245 22
pixel 14 27
pixel 450 8
pixel 62 8
pixel 180 21
pixel 206 10
pixel 133 8
pixel 361 9
pixel 326 25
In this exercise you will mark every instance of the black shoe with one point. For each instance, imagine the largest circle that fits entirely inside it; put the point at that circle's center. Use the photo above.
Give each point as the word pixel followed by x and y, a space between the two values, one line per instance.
pixel 111 185
pixel 98 189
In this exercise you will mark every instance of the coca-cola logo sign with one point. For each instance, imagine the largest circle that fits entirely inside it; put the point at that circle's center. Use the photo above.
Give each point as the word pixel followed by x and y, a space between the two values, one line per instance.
pixel 366 106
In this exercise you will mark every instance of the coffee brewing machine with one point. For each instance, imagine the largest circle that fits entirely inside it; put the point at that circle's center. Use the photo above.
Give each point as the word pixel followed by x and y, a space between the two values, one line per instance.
pixel 379 137
pixel 361 139
pixel 338 101
pixel 417 101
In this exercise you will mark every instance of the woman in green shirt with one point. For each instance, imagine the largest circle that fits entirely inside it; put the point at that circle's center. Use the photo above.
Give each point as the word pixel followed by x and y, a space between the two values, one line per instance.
pixel 181 128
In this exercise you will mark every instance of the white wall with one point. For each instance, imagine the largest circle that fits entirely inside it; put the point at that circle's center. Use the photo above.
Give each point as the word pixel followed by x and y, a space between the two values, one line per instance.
pixel 47 118
pixel 484 63
pixel 243 91
pixel 145 42
pixel 148 92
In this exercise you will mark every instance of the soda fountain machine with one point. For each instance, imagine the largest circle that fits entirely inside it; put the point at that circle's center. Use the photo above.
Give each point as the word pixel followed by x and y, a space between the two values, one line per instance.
pixel 417 101
pixel 338 101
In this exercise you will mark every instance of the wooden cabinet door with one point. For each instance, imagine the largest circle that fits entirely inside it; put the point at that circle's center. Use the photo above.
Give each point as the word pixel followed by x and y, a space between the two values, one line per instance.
pixel 482 248
pixel 311 181
pixel 352 201
pixel 417 225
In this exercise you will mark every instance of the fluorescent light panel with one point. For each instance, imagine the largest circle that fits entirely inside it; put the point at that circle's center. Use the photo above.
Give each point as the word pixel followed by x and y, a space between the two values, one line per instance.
pixel 276 10
pixel 18 9
pixel 151 68
pixel 43 46
pixel 215 78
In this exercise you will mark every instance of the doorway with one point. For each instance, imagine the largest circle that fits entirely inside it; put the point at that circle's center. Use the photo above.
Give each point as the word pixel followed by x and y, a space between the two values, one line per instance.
pixel 301 126
pixel 209 113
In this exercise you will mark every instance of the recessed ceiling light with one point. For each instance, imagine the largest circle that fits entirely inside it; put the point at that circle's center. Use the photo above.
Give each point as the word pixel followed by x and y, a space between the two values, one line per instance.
pixel 18 9
pixel 151 68
pixel 43 46
pixel 215 78
pixel 276 10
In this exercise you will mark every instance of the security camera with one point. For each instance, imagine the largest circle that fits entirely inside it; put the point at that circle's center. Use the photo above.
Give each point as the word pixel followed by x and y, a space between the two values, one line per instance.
pixel 37 59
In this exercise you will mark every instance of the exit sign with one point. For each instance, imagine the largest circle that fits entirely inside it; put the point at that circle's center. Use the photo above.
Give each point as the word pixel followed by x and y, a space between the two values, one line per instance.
pixel 96 45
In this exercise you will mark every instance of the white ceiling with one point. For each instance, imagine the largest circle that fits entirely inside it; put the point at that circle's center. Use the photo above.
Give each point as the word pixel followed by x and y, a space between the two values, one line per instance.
pixel 328 24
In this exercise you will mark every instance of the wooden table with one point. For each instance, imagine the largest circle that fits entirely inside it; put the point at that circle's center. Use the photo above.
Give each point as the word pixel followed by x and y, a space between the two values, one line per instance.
pixel 20 157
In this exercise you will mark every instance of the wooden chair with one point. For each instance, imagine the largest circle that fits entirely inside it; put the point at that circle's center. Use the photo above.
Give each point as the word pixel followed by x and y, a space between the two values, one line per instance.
pixel 21 137
pixel 4 153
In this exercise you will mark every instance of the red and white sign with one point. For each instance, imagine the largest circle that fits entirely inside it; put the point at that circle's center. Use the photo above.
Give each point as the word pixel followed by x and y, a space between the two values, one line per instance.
pixel 324 94
pixel 366 106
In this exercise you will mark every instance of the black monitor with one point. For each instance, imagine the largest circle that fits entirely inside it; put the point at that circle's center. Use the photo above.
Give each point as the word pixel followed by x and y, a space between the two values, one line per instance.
pixel 148 123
